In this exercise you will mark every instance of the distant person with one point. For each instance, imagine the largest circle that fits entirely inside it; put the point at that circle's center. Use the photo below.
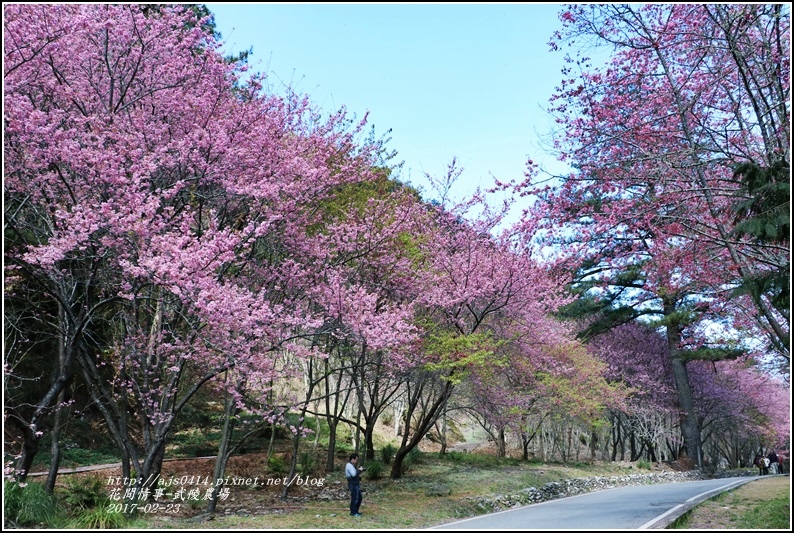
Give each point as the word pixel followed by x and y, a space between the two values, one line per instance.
pixel 782 463
pixel 759 463
pixel 353 475
pixel 773 463
pixel 765 465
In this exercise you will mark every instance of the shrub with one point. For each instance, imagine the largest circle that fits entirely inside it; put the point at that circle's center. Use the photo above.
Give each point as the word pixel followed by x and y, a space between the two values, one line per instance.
pixel 643 464
pixel 455 457
pixel 84 492
pixel 375 470
pixel 308 463
pixel 101 517
pixel 410 459
pixel 387 453
pixel 277 465
pixel 344 448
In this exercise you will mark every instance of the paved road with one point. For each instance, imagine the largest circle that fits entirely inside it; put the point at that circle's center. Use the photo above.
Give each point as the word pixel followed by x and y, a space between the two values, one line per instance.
pixel 636 507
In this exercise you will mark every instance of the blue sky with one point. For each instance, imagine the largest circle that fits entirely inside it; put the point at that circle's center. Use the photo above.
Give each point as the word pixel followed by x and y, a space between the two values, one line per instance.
pixel 450 80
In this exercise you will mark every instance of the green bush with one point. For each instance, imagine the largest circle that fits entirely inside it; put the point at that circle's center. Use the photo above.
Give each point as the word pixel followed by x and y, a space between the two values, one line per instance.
pixel 387 453
pixel 277 465
pixel 344 448
pixel 643 464
pixel 411 459
pixel 375 470
pixel 455 457
pixel 84 492
pixel 28 504
pixel 344 434
pixel 101 517
pixel 484 460
pixel 308 463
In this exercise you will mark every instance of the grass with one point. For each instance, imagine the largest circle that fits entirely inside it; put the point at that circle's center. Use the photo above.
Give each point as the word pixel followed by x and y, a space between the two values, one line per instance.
pixel 760 504
pixel 772 514
pixel 28 504
pixel 409 502
pixel 72 456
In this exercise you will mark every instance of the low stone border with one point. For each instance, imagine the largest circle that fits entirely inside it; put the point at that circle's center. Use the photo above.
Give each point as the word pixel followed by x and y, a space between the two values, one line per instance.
pixel 572 487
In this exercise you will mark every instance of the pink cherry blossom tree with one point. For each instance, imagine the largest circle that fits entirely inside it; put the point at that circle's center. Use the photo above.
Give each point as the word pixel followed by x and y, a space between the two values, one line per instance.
pixel 158 201
pixel 655 135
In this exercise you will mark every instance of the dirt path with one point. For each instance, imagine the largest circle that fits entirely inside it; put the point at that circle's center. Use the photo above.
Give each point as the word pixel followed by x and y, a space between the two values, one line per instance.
pixel 109 466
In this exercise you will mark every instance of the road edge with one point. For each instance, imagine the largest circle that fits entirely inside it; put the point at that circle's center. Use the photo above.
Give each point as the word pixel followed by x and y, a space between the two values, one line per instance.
pixel 663 521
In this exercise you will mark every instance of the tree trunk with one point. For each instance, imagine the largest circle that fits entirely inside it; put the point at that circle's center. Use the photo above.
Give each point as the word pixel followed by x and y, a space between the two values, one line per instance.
pixel 331 457
pixel 296 440
pixel 501 443
pixel 223 451
pixel 30 447
pixel 369 443
pixel 398 413
pixel 428 418
pixel 55 447
pixel 271 444
pixel 690 426
pixel 443 433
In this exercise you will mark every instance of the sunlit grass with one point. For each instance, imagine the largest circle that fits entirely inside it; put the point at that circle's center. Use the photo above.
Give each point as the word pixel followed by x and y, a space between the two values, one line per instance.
pixel 760 504
pixel 406 503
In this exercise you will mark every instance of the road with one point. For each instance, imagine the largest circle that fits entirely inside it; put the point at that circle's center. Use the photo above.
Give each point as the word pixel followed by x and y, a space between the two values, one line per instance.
pixel 636 507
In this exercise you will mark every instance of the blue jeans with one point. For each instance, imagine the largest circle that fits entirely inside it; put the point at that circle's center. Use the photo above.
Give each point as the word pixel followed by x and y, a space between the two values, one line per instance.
pixel 355 497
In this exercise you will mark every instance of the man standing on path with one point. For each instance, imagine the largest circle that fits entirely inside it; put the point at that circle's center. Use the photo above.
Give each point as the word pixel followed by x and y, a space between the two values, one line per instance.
pixel 353 475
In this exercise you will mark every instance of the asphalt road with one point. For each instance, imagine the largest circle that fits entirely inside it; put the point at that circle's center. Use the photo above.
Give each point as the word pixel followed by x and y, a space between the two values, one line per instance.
pixel 636 507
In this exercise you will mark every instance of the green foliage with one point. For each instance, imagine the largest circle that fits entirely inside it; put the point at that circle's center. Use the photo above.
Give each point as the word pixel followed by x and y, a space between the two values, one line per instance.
pixel 711 354
pixel 763 214
pixel 307 463
pixel 771 514
pixel 480 460
pixel 344 435
pixel 387 453
pixel 352 198
pixel 195 442
pixel 453 353
pixel 195 414
pixel 375 470
pixel 28 504
pixel 643 465
pixel 455 457
pixel 344 448
pixel 603 308
pixel 410 245
pixel 83 456
pixel 410 459
pixel 277 465
pixel 81 493
pixel 102 517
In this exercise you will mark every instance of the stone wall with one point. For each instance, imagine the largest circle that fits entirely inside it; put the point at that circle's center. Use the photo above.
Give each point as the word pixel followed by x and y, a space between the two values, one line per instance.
pixel 571 487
